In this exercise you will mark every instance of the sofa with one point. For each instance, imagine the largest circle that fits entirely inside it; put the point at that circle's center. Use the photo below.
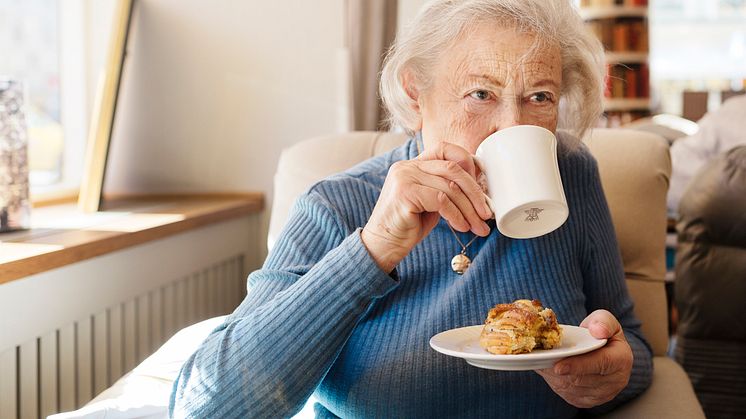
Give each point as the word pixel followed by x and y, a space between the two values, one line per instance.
pixel 711 284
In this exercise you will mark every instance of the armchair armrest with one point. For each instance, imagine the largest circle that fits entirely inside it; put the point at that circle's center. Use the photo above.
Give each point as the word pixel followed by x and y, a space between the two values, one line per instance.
pixel 670 396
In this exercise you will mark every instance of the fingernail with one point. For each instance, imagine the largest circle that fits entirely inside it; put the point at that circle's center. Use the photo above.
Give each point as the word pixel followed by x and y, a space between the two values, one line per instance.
pixel 487 210
pixel 486 229
pixel 562 369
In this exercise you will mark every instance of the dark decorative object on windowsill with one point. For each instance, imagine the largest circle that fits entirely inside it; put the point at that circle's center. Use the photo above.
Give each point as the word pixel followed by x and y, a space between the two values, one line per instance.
pixel 15 207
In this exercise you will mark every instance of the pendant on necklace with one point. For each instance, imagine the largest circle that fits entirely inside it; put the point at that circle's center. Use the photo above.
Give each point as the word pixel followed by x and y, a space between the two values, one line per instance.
pixel 460 263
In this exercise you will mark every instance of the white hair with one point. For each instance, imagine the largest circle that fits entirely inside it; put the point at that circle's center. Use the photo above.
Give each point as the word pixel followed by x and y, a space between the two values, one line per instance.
pixel 441 22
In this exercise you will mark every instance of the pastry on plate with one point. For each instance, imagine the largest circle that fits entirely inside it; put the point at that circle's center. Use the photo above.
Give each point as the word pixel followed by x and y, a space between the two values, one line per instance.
pixel 520 327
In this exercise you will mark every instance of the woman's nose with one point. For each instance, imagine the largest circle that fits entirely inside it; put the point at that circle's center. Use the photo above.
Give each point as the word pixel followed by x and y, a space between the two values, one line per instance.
pixel 508 115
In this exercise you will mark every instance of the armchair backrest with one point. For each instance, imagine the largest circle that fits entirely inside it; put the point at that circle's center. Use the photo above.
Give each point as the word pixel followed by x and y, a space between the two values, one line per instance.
pixel 634 166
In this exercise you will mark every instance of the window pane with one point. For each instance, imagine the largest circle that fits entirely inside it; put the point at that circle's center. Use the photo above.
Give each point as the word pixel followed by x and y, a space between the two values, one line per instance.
pixel 29 41
pixel 697 45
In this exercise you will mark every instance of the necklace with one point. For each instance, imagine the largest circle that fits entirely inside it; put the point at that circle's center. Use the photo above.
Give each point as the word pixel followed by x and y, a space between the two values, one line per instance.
pixel 459 263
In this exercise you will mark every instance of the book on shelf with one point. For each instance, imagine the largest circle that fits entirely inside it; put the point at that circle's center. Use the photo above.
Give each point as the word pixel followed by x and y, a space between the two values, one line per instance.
pixel 644 84
pixel 633 87
pixel 638 35
pixel 629 81
pixel 616 81
pixel 621 34
pixel 620 41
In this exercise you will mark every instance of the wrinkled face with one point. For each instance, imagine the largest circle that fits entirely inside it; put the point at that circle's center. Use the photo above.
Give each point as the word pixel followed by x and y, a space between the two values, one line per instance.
pixel 486 82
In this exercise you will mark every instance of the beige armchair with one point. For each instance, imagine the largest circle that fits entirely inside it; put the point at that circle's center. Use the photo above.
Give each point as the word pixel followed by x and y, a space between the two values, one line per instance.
pixel 635 169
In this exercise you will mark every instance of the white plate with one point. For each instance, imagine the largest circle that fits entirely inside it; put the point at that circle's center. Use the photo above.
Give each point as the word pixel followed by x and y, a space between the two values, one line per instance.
pixel 464 343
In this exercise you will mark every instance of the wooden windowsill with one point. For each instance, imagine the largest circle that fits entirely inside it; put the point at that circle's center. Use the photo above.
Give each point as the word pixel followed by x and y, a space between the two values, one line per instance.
pixel 61 234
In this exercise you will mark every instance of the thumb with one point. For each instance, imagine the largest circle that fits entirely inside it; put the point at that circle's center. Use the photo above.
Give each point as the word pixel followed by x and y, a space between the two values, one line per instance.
pixel 601 324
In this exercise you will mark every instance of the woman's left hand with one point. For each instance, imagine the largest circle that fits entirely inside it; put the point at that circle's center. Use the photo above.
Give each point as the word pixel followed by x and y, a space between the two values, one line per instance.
pixel 596 377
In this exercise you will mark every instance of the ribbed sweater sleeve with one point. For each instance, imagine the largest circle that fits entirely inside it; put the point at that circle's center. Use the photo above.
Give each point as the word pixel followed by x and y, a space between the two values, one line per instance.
pixel 605 286
pixel 301 308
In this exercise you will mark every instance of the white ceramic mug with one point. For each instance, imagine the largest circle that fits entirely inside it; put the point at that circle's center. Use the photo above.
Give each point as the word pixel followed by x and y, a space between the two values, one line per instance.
pixel 524 188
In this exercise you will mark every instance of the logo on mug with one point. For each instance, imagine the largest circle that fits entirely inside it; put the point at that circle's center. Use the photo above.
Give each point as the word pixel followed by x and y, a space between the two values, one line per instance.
pixel 533 214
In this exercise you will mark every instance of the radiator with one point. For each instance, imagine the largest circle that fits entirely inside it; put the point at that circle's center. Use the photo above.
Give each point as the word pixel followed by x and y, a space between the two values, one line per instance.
pixel 64 368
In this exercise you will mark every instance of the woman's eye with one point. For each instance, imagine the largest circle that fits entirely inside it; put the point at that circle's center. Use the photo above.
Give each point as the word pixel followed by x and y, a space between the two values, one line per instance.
pixel 481 95
pixel 541 97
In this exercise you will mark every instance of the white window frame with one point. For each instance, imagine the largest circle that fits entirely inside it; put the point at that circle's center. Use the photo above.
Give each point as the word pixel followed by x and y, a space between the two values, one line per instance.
pixel 84 29
pixel 73 90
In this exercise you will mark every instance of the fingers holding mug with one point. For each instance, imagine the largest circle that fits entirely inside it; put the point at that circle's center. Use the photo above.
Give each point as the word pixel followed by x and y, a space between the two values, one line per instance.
pixel 461 188
pixel 451 152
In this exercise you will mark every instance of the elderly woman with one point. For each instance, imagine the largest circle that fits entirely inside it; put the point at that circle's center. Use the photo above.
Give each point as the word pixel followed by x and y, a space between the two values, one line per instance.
pixel 360 279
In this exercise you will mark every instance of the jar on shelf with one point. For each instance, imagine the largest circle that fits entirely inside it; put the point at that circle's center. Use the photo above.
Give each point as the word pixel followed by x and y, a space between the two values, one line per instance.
pixel 15 207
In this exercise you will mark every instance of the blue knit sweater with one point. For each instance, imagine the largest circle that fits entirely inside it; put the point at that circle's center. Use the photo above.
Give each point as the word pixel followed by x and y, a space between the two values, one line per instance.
pixel 320 316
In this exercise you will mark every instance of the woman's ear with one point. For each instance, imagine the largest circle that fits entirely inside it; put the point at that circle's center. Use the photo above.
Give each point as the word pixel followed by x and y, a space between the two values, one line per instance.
pixel 409 82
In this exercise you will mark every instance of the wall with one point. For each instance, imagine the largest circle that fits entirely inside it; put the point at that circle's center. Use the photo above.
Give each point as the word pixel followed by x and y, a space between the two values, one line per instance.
pixel 214 90
pixel 407 10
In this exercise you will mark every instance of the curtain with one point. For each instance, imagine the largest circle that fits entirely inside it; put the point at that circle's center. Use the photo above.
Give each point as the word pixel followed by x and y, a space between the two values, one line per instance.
pixel 370 29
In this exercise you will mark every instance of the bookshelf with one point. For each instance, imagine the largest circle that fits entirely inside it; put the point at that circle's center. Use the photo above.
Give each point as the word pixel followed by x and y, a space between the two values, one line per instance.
pixel 615 104
pixel 607 9
pixel 626 57
pixel 622 27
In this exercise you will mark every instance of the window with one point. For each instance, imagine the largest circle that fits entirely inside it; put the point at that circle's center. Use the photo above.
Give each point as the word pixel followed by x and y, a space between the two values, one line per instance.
pixel 29 37
pixel 54 47
pixel 696 45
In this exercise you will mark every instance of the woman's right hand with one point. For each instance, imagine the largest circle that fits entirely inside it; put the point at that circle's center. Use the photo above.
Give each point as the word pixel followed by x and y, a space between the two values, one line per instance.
pixel 416 193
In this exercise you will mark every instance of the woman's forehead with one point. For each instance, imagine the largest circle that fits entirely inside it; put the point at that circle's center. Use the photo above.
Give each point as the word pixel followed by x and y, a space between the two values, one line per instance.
pixel 500 52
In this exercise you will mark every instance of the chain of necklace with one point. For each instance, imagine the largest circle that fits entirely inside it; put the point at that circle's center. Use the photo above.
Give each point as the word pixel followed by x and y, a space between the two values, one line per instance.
pixel 460 262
